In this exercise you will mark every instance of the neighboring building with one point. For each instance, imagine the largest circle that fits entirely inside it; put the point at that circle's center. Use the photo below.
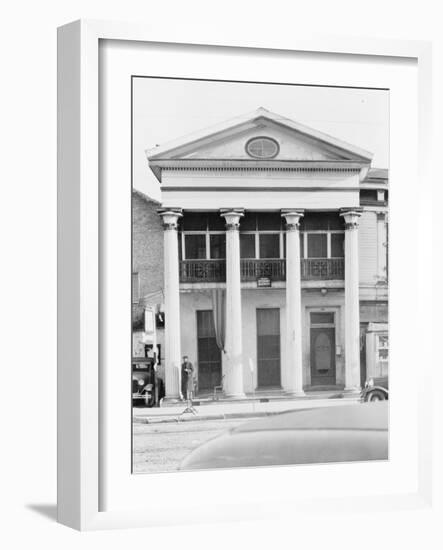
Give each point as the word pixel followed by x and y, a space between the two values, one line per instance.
pixel 147 273
pixel 271 267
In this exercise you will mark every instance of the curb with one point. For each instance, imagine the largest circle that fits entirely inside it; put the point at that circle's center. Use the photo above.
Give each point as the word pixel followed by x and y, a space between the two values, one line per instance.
pixel 203 402
pixel 188 417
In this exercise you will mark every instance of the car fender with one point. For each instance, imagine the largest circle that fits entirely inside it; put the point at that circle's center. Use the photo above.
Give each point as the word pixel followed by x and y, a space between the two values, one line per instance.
pixel 377 388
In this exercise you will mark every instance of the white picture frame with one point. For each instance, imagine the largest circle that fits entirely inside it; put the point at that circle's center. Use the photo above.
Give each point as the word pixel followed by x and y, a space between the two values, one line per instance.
pixel 80 413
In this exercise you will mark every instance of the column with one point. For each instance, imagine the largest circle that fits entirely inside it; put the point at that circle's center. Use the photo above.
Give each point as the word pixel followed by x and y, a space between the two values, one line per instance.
pixel 172 304
pixel 293 375
pixel 233 358
pixel 352 300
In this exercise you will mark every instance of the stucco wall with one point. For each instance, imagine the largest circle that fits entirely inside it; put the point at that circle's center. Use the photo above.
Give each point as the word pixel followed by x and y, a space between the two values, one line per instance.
pixel 190 302
pixel 148 262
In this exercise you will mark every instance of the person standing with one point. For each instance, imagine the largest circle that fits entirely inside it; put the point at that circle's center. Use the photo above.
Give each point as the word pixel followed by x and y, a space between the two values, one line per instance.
pixel 187 381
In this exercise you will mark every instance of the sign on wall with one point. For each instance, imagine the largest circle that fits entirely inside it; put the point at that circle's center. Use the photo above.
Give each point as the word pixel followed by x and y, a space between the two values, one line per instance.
pixel 149 320
pixel 264 282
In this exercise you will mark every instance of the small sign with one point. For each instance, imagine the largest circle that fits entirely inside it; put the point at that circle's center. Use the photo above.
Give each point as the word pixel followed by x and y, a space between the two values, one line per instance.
pixel 149 320
pixel 264 282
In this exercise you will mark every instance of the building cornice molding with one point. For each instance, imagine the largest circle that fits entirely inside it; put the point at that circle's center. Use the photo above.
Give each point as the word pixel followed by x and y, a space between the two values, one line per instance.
pixel 251 165
pixel 266 188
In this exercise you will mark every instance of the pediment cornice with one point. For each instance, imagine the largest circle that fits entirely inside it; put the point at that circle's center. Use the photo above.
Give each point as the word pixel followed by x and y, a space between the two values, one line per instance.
pixel 300 148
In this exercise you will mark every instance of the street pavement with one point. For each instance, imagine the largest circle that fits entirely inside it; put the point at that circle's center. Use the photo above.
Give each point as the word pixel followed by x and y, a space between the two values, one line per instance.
pixel 161 447
pixel 163 436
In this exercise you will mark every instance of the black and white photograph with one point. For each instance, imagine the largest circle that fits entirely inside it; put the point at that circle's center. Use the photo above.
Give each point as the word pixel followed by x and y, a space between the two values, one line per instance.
pixel 259 274
pixel 224 223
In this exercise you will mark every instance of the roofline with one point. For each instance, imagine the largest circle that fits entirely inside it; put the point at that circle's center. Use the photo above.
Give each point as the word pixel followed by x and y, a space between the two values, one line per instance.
pixel 207 132
pixel 145 197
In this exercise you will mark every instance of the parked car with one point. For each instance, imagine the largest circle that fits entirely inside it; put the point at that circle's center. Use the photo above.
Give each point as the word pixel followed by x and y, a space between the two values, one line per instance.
pixel 376 389
pixel 344 433
pixel 144 382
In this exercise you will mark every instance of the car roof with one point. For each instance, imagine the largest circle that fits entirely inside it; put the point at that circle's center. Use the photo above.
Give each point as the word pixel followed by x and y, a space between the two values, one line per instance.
pixel 362 416
pixel 338 433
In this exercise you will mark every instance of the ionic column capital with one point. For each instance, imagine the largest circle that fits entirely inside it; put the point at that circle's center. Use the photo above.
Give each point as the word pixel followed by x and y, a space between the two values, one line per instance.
pixel 232 217
pixel 170 217
pixel 292 218
pixel 351 217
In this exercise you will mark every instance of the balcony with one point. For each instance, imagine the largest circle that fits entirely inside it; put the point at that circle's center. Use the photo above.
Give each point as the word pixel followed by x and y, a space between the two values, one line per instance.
pixel 251 270
pixel 202 271
pixel 214 271
pixel 322 269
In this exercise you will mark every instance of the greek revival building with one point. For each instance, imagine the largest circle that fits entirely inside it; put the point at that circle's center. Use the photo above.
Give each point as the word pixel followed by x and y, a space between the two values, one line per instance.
pixel 274 258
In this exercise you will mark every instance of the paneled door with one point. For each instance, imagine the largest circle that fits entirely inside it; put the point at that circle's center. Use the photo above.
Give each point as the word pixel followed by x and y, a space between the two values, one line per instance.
pixel 209 355
pixel 268 348
pixel 322 356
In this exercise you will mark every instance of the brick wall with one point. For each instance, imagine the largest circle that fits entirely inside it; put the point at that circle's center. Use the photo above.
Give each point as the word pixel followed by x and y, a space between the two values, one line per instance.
pixel 147 252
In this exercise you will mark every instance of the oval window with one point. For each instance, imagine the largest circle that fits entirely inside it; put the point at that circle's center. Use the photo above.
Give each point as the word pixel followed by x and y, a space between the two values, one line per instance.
pixel 262 148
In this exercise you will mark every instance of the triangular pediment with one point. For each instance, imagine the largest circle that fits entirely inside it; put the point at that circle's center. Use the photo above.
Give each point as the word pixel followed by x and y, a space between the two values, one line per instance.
pixel 230 142
pixel 291 145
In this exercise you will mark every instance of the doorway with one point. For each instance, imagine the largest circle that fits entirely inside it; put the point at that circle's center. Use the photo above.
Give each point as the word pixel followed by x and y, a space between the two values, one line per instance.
pixel 268 348
pixel 209 355
pixel 322 355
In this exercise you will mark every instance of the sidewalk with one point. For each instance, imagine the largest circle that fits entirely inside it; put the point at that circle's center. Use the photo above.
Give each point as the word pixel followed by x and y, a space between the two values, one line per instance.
pixel 252 408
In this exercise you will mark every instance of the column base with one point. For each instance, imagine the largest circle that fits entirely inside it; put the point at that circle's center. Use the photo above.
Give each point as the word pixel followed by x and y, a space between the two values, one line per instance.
pixel 291 393
pixel 352 389
pixel 171 401
pixel 240 395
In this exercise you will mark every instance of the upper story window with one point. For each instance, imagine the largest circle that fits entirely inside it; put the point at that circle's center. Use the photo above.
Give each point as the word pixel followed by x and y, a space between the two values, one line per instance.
pixel 262 148
pixel 322 235
pixel 202 236
pixel 262 236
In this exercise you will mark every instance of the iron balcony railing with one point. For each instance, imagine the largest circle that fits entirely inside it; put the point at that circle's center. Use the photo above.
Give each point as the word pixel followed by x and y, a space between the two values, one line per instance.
pixel 212 271
pixel 322 269
pixel 202 271
pixel 251 270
